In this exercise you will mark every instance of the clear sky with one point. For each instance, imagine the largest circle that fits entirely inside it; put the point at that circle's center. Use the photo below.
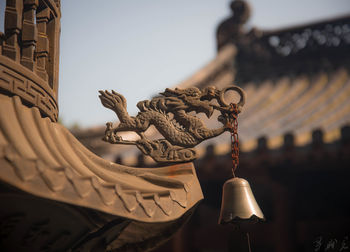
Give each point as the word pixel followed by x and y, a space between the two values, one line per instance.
pixel 138 48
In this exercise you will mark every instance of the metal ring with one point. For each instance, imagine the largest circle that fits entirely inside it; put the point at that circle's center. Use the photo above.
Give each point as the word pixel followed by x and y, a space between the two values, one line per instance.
pixel 239 90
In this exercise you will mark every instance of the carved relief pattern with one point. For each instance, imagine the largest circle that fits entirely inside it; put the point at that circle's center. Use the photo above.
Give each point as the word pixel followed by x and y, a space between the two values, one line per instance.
pixel 8 225
pixel 35 231
pixel 170 116
pixel 23 220
pixel 29 90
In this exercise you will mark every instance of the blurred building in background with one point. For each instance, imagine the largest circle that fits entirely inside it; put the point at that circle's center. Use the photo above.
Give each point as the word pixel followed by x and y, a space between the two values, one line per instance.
pixel 294 132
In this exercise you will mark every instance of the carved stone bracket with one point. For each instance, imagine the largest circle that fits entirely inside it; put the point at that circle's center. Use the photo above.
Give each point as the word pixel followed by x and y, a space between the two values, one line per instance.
pixel 170 115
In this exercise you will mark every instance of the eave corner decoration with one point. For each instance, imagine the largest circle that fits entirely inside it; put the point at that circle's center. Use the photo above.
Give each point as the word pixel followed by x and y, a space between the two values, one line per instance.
pixel 170 115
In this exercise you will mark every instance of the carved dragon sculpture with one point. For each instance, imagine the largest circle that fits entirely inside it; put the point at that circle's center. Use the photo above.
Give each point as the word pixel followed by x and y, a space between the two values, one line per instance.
pixel 181 132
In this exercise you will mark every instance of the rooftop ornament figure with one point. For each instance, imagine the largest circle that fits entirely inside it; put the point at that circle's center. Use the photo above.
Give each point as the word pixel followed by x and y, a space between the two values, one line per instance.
pixel 169 113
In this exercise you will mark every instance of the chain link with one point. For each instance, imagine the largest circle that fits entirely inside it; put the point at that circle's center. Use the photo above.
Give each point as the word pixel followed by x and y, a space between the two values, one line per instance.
pixel 233 125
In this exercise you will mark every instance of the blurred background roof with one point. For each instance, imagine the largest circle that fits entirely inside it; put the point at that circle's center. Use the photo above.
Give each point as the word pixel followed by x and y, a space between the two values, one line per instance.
pixel 138 48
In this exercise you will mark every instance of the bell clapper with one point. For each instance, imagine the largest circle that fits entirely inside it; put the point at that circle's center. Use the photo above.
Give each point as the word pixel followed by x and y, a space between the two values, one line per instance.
pixel 248 240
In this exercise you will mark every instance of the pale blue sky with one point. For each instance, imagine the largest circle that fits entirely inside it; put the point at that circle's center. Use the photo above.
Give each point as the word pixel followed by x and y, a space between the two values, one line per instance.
pixel 140 47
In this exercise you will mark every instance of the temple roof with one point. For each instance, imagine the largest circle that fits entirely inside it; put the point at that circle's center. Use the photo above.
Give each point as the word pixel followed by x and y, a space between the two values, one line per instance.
pixel 298 105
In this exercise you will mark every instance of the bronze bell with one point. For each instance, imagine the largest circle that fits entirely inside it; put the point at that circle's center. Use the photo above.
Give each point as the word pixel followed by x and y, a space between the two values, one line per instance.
pixel 238 203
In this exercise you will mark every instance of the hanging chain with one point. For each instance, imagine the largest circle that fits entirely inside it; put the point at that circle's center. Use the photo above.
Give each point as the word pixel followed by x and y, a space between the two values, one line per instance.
pixel 233 125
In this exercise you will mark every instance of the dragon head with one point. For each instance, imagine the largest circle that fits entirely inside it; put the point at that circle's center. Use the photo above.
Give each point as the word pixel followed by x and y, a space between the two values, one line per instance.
pixel 199 101
pixel 189 99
